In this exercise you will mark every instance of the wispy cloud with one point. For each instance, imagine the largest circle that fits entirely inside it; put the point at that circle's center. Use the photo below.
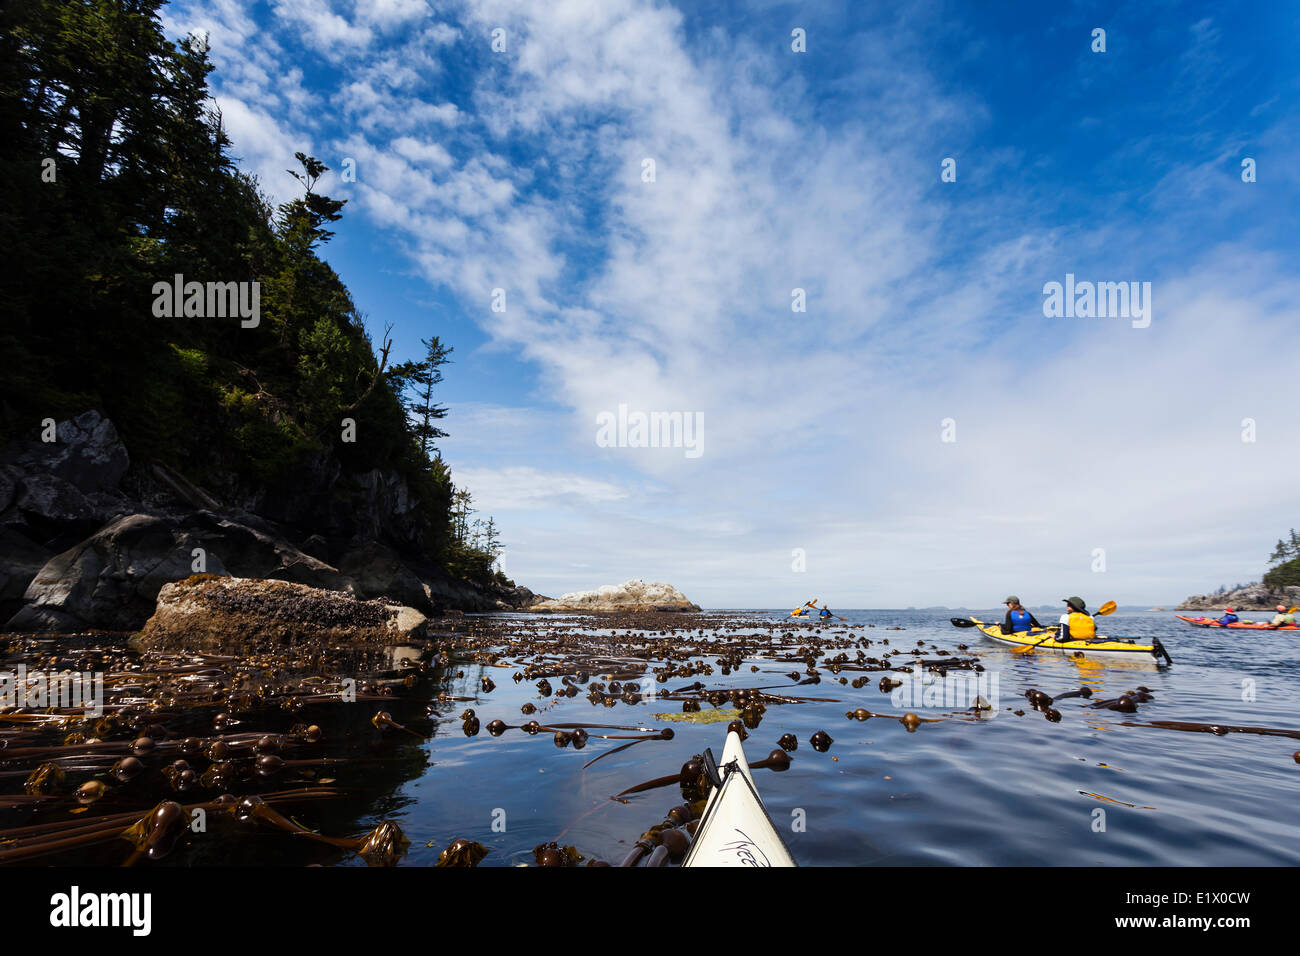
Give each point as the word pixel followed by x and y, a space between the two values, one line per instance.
pixel 524 171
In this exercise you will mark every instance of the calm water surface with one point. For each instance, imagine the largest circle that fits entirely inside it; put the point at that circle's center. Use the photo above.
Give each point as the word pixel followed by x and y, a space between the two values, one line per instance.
pixel 1006 790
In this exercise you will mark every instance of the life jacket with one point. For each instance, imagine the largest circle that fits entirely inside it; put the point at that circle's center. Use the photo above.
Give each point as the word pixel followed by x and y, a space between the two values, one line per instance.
pixel 1020 621
pixel 1082 626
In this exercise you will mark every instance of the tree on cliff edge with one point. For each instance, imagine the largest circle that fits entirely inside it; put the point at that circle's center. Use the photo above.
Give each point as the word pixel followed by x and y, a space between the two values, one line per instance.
pixel 1286 563
pixel 421 377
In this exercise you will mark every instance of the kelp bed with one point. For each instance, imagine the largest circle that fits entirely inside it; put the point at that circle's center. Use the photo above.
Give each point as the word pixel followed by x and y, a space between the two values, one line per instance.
pixel 273 751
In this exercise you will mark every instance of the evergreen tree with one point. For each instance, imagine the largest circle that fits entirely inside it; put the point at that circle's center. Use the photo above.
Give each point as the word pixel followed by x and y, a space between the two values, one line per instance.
pixel 422 377
pixel 115 173
pixel 461 509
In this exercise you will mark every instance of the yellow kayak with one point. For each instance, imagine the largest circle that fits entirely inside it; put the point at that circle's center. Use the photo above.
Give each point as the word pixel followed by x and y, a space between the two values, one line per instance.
pixel 1100 646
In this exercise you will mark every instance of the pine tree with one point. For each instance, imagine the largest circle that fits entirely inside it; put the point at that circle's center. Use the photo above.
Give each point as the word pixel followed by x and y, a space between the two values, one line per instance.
pixel 491 539
pixel 461 509
pixel 422 377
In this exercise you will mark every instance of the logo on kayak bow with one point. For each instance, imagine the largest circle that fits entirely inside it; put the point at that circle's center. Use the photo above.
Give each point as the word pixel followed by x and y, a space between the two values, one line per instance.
pixel 747 850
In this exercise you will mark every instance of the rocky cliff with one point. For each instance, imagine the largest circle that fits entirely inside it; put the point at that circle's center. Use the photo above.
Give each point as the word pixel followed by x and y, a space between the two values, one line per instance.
pixel 88 538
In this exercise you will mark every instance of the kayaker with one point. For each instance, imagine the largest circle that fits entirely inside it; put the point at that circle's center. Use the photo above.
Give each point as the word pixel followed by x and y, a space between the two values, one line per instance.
pixel 1283 617
pixel 1076 623
pixel 1229 617
pixel 1018 619
pixel 825 612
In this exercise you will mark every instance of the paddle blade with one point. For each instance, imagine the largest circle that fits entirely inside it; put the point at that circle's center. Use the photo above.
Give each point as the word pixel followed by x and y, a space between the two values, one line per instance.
pixel 1107 608
pixel 962 622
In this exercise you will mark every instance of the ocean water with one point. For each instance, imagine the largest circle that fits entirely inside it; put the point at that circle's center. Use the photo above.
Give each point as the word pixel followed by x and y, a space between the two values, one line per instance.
pixel 1097 788
pixel 1094 789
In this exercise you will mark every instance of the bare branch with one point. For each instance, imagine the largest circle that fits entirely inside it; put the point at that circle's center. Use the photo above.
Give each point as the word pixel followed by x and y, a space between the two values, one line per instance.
pixel 379 372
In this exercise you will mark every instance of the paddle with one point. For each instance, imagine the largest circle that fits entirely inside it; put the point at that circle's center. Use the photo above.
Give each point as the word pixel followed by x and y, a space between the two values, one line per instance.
pixel 1102 611
pixel 1160 649
pixel 829 616
pixel 813 604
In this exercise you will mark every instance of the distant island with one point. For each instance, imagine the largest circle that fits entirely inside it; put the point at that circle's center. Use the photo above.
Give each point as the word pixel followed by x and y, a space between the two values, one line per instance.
pixel 1279 585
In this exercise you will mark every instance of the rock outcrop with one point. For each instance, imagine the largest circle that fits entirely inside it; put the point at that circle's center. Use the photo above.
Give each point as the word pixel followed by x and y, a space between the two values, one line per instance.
pixel 210 613
pixel 112 578
pixel 1253 597
pixel 86 454
pixel 630 596
pixel 87 540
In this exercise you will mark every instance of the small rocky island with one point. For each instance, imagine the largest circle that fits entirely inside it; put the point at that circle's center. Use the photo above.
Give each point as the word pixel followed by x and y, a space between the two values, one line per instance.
pixel 633 596
pixel 1253 597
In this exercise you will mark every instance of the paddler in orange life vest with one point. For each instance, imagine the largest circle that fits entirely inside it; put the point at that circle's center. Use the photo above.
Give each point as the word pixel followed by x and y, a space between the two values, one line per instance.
pixel 1076 623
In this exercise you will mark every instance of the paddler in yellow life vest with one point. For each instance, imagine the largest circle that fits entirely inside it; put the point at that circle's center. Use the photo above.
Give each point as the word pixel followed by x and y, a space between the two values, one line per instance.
pixel 1076 623
pixel 1283 617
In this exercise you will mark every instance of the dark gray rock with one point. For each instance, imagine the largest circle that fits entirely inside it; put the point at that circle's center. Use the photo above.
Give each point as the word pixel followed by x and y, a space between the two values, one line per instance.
pixel 112 579
pixel 9 482
pixel 376 571
pixel 87 454
pixel 20 560
pixel 108 581
pixel 82 548
pixel 50 500
pixel 317 547
pixel 253 548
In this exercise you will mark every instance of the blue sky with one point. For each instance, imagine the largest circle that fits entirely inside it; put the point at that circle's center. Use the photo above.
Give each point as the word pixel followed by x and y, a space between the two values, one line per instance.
pixel 775 170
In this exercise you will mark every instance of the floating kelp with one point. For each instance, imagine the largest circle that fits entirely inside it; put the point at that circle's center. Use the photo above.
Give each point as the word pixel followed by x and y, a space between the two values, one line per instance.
pixel 213 731
pixel 216 729
pixel 1216 729
pixel 711 716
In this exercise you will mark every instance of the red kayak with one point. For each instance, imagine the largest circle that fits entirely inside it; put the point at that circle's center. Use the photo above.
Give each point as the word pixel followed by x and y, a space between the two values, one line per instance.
pixel 1240 625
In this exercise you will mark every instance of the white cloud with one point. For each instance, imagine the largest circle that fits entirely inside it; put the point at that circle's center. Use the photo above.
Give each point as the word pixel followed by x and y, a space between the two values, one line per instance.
pixel 263 146
pixel 521 486
pixel 821 428
pixel 326 31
